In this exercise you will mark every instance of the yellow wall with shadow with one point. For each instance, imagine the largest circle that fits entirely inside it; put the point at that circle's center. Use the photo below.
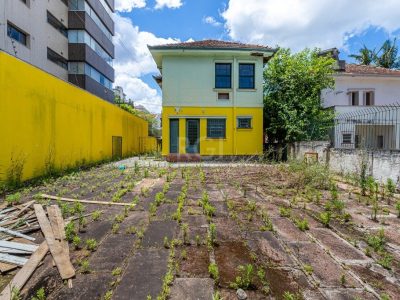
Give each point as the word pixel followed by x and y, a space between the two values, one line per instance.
pixel 48 123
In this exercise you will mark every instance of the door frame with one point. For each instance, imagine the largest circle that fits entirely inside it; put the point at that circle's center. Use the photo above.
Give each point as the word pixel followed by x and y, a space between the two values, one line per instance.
pixel 177 136
pixel 198 135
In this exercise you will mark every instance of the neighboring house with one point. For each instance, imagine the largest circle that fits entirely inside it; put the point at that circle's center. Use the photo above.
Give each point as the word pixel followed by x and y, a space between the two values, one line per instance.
pixel 70 39
pixel 212 102
pixel 366 102
pixel 119 93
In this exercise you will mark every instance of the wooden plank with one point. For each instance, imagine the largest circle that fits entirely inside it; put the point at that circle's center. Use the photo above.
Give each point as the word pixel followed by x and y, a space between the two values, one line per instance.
pixel 18 246
pixel 83 201
pixel 16 233
pixel 17 260
pixel 25 272
pixel 64 265
pixel 4 267
pixel 57 223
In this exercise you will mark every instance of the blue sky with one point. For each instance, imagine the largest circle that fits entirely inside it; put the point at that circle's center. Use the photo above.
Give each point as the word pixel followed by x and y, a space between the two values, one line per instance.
pixel 310 23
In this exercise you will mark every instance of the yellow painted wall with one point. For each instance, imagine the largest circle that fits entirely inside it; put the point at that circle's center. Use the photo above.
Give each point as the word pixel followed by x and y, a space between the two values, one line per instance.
pixel 46 121
pixel 237 141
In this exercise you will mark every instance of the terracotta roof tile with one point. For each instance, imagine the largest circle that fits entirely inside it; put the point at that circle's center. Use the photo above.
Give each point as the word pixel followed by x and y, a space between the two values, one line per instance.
pixel 369 70
pixel 213 44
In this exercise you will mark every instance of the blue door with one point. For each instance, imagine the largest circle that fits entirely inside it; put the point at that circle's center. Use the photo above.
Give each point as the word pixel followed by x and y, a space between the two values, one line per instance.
pixel 174 136
pixel 192 136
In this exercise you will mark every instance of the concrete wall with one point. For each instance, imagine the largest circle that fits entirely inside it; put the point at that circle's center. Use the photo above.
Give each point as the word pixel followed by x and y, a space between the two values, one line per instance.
pixel 32 19
pixel 387 89
pixel 381 164
pixel 190 81
pixel 47 122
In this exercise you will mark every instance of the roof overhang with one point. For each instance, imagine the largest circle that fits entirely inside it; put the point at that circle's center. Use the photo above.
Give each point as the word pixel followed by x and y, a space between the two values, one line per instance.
pixel 158 52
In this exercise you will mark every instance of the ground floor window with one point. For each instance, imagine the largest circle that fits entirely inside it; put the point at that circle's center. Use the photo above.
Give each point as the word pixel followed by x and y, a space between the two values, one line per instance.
pixel 216 128
pixel 244 122
pixel 346 137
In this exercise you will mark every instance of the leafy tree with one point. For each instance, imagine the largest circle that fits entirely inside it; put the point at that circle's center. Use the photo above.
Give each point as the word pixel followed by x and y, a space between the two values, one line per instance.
pixel 387 55
pixel 292 96
pixel 365 56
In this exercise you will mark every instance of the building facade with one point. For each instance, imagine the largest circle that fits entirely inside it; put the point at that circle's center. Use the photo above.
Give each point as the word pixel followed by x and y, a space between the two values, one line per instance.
pixel 366 103
pixel 70 39
pixel 212 103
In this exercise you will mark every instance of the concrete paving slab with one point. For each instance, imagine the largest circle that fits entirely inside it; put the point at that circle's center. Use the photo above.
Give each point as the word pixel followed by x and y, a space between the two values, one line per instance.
pixel 192 288
pixel 143 276
pixel 157 230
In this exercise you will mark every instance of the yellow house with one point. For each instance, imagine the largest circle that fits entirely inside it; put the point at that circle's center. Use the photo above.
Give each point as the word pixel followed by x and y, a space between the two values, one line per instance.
pixel 212 102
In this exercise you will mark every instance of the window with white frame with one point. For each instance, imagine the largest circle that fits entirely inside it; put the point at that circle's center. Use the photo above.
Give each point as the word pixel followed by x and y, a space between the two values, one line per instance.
pixel 369 98
pixel 244 122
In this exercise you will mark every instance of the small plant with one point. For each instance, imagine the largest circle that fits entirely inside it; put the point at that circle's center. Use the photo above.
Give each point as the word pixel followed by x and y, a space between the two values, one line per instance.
pixel 70 231
pixel 109 294
pixel 302 224
pixel 385 297
pixel 398 208
pixel 390 189
pixel 289 296
pixel 91 244
pixel 146 173
pixel 13 199
pixel 251 205
pixel 116 272
pixel 212 234
pixel 308 269
pixel 184 254
pixel 216 296
pixel 159 198
pixel 377 242
pixel 76 241
pixel 325 218
pixel 131 230
pixel 264 282
pixel 96 215
pixel 40 294
pixel 386 261
pixel 245 278
pixel 213 270
pixel 185 233
pixel 166 242
pixel 343 280
pixel 115 228
pixel 198 240
pixel 85 266
pixel 285 212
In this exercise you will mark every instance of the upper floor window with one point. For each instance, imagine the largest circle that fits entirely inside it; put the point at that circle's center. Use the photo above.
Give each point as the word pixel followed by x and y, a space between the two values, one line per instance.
pixel 246 76
pixel 53 21
pixel 57 59
pixel 354 99
pixel 223 75
pixel 369 98
pixel 16 34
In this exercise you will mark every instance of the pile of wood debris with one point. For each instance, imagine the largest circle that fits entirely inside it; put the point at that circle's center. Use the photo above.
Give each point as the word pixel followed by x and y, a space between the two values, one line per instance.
pixel 17 249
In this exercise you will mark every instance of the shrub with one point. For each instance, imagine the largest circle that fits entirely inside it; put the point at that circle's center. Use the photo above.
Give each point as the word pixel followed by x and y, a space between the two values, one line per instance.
pixel 398 208
pixel 91 244
pixel 245 278
pixel 212 234
pixel 377 242
pixel 315 175
pixel 40 294
pixel 70 231
pixel 13 199
pixel 302 224
pixel 76 241
pixel 308 269
pixel 213 270
pixel 117 271
pixel 96 215
pixel 325 218
pixel 386 261
pixel 285 212
pixel 85 266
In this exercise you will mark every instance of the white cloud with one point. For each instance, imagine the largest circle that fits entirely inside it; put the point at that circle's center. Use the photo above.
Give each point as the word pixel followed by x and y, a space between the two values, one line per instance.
pixel 129 5
pixel 210 20
pixel 307 23
pixel 168 3
pixel 134 60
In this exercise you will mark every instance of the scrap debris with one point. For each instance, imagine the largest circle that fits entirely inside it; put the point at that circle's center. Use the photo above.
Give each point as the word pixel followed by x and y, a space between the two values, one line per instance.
pixel 19 250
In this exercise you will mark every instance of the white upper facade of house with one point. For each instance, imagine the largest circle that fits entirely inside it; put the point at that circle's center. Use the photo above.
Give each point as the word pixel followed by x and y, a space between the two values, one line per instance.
pixel 189 74
pixel 364 86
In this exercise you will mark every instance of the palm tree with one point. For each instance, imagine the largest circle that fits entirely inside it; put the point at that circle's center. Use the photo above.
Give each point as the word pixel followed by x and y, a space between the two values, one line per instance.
pixel 365 56
pixel 388 57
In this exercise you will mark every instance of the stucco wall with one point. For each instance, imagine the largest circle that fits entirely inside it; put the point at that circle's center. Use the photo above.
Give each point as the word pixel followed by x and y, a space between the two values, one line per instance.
pixel 190 81
pixel 387 89
pixel 381 164
pixel 45 121
pixel 32 19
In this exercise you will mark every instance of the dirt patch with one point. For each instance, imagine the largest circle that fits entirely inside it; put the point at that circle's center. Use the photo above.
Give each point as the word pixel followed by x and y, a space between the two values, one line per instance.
pixel 228 256
pixel 192 288
pixel 196 263
pixel 287 231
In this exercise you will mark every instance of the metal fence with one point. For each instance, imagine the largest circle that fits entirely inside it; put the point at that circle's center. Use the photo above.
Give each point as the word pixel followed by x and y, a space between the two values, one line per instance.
pixel 371 128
